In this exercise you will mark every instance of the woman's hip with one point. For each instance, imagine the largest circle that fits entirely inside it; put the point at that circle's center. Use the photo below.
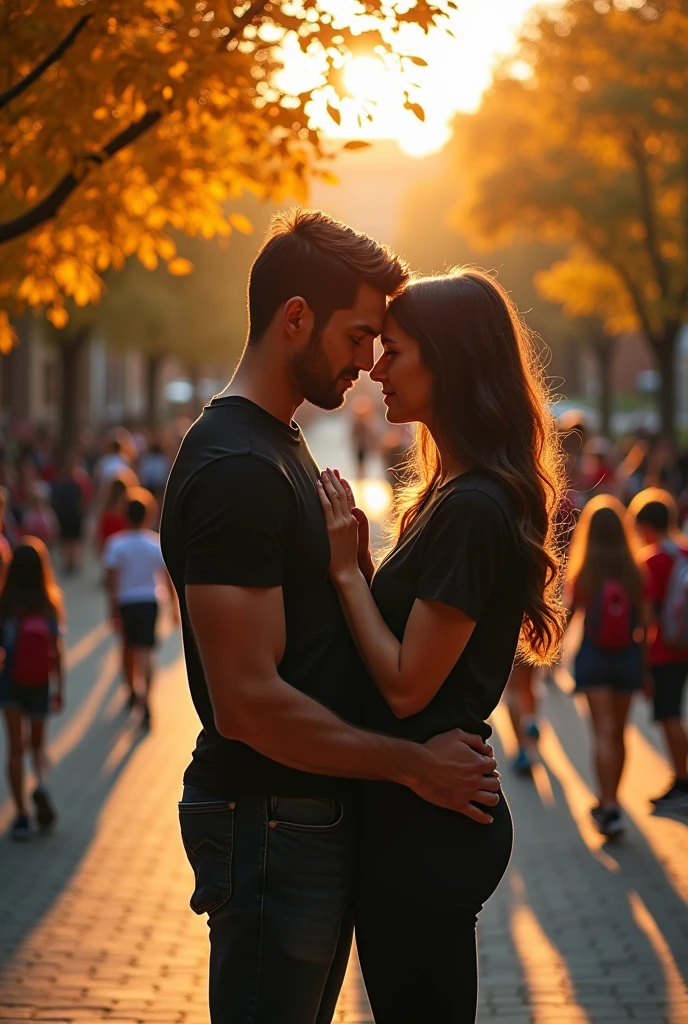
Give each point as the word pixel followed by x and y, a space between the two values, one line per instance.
pixel 411 846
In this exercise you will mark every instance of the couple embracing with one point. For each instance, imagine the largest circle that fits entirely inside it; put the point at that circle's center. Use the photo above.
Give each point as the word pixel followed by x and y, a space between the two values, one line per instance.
pixel 343 774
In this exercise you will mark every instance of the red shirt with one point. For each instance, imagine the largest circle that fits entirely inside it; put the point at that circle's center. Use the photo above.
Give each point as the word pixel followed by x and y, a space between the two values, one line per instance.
pixel 110 524
pixel 658 565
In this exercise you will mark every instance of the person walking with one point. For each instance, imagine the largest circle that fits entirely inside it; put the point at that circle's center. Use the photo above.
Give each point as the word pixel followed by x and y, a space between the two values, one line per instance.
pixel 135 569
pixel 654 514
pixel 268 813
pixel 69 505
pixel 606 582
pixel 471 577
pixel 521 703
pixel 32 622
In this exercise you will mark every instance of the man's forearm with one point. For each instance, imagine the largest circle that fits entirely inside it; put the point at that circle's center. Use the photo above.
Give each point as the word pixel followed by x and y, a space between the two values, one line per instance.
pixel 290 727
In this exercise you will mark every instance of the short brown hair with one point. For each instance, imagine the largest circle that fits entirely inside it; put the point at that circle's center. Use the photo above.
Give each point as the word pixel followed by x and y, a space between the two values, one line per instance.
pixel 310 254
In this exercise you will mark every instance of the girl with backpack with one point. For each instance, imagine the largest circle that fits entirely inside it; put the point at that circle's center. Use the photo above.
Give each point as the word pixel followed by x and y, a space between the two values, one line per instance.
pixel 605 581
pixel 32 672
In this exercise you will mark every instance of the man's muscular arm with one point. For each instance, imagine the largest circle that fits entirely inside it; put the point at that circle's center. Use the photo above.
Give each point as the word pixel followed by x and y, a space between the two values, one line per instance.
pixel 240 634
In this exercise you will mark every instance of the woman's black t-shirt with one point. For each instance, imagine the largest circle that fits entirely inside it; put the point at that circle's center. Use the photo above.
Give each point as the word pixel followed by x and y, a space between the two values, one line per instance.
pixel 462 550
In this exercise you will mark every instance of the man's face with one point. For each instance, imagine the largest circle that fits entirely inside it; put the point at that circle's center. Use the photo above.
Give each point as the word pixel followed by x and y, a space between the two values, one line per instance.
pixel 326 367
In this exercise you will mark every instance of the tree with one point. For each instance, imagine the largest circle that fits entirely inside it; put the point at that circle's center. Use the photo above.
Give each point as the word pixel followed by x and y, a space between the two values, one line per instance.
pixel 583 138
pixel 122 120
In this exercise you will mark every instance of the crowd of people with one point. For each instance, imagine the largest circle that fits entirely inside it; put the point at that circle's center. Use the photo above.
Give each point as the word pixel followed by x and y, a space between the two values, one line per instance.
pixel 625 512
pixel 106 493
pixel 627 575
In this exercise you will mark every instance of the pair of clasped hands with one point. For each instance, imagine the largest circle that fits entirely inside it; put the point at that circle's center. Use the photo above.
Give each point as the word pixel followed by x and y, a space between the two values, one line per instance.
pixel 349 533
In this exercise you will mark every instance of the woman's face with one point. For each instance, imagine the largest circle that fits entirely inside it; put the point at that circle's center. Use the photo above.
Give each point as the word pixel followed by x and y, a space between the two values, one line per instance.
pixel 406 380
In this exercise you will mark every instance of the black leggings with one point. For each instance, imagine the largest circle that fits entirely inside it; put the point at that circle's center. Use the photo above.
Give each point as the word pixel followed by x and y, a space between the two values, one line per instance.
pixel 425 874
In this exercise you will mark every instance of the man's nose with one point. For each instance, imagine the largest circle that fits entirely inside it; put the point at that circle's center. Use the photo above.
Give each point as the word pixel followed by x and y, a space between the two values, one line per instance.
pixel 365 355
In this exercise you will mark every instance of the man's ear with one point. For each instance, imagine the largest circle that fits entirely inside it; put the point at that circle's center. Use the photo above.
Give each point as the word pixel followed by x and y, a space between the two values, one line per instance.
pixel 297 318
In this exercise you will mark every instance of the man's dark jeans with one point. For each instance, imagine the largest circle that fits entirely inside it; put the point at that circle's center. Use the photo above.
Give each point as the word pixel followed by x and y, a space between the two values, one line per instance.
pixel 275 876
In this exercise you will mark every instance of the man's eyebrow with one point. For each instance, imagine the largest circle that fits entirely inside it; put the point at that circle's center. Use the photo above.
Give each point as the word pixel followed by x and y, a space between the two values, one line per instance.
pixel 366 329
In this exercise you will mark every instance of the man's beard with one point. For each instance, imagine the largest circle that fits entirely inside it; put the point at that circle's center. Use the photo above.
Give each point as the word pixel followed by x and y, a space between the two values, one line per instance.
pixel 312 375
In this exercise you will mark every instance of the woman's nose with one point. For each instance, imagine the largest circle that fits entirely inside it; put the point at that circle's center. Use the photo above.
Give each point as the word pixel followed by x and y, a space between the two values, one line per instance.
pixel 377 373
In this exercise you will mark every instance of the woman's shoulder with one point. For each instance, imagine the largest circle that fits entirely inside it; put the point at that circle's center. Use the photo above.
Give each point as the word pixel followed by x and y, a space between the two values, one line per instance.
pixel 476 493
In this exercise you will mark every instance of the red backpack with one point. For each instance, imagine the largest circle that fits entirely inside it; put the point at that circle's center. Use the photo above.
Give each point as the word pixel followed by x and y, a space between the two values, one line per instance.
pixel 609 622
pixel 34 650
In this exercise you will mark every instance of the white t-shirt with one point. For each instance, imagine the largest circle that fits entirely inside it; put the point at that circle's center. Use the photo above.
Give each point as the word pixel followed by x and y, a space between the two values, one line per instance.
pixel 109 466
pixel 136 557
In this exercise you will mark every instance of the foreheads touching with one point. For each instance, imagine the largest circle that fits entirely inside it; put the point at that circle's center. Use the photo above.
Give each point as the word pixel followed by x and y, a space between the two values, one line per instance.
pixel 321 288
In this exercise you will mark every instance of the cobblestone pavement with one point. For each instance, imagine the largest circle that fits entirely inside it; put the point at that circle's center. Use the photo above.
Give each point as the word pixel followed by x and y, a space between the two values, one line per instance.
pixel 94 920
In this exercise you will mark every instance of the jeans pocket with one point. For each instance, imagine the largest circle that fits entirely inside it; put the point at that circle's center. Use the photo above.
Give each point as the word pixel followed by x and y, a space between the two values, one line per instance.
pixel 208 836
pixel 305 814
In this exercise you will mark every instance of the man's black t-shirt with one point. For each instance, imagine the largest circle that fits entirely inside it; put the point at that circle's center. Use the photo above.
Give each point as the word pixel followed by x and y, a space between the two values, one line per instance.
pixel 461 550
pixel 241 509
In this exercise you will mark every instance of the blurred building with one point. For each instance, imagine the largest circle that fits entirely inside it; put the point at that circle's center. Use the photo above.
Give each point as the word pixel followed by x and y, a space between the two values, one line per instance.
pixel 109 387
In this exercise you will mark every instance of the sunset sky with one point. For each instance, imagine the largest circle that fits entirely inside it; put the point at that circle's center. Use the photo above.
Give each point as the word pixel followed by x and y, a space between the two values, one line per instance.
pixel 458 71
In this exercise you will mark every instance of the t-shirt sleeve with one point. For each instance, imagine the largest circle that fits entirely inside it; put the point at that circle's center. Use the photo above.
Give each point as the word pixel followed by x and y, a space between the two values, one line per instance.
pixel 237 514
pixel 464 555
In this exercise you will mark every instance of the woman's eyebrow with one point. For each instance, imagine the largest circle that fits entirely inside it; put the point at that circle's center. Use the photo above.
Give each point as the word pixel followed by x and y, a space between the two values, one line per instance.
pixel 387 341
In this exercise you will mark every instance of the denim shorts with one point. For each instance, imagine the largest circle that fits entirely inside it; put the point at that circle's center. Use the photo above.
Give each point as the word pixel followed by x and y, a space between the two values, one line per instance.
pixel 597 669
pixel 32 701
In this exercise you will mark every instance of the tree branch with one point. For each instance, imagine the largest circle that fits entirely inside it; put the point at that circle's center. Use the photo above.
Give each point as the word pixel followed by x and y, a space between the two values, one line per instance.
pixel 49 206
pixel 21 86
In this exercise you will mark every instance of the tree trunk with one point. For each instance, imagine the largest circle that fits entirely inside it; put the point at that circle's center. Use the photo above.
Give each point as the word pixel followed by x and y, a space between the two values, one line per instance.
pixel 665 347
pixel 153 365
pixel 71 351
pixel 604 347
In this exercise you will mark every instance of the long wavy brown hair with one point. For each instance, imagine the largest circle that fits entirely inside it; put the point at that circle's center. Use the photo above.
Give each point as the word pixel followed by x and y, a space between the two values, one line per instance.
pixel 603 548
pixel 30 584
pixel 490 411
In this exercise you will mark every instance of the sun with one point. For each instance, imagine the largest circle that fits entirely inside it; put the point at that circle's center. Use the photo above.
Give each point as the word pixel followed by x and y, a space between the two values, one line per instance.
pixel 366 77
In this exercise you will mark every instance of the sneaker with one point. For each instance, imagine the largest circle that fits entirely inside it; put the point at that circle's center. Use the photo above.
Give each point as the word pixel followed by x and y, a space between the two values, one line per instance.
pixel 676 798
pixel 21 828
pixel 609 822
pixel 45 809
pixel 522 764
pixel 532 731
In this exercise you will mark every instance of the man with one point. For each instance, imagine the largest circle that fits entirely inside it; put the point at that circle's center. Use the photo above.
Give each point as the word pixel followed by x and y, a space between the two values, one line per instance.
pixel 266 814
pixel 655 517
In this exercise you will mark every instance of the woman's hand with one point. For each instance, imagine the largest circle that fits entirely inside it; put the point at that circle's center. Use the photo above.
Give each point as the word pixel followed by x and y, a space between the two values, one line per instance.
pixel 342 524
pixel 365 557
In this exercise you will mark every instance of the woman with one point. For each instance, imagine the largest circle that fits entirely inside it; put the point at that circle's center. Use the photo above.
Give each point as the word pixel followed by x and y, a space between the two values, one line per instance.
pixel 604 579
pixel 32 675
pixel 473 568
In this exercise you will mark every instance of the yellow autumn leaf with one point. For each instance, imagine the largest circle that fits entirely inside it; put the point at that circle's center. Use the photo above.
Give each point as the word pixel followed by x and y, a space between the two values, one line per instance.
pixel 8 337
pixel 178 70
pixel 241 223
pixel 57 316
pixel 180 266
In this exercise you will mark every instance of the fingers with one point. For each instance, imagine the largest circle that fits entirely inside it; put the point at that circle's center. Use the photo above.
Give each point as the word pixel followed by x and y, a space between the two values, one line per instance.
pixel 326 504
pixel 350 499
pixel 336 494
pixel 471 811
pixel 489 799
pixel 475 742
pixel 490 783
